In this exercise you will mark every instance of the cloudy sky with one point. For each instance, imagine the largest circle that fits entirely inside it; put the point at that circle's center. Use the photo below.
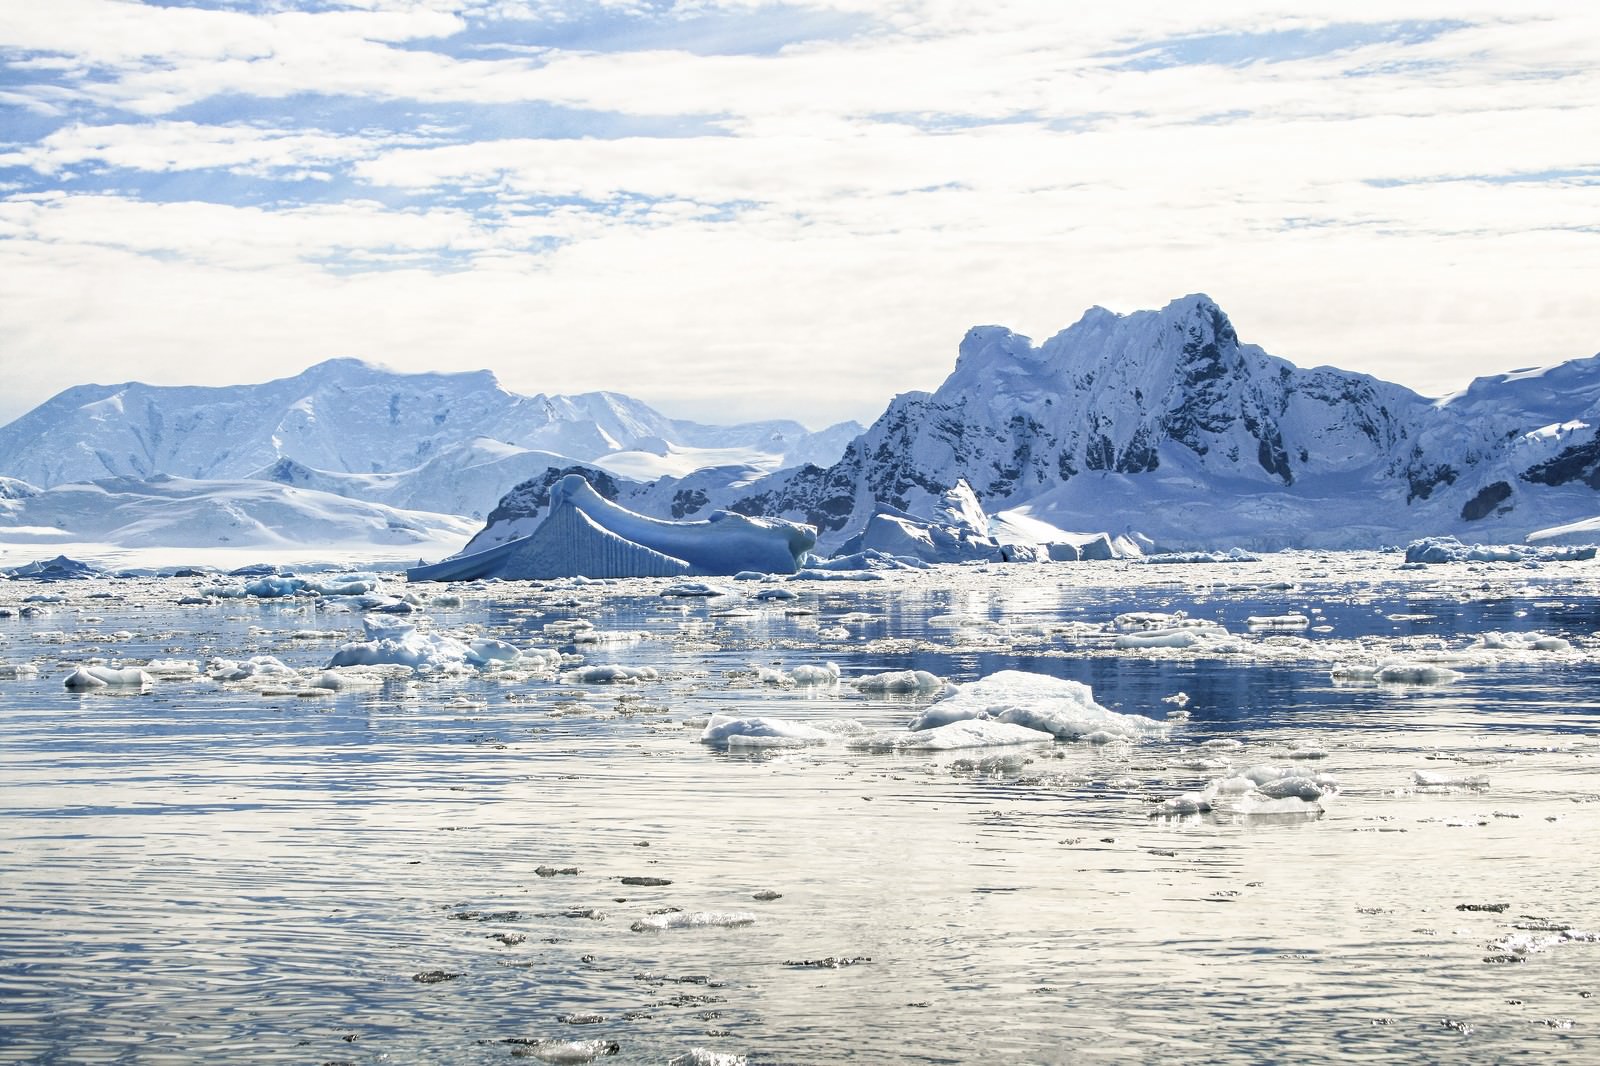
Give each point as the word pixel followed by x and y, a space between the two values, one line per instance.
pixel 738 209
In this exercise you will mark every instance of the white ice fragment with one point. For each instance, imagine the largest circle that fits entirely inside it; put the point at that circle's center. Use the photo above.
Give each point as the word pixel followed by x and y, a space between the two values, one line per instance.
pixel 825 674
pixel 1063 708
pixel 898 682
pixel 693 920
pixel 487 650
pixel 1523 642
pixel 729 731
pixel 1179 637
pixel 1414 673
pixel 610 675
pixel 347 678
pixel 703 1057
pixel 1431 779
pixel 17 671
pixel 972 733
pixel 1277 621
pixel 1394 672
pixel 172 668
pixel 569 1051
pixel 93 677
pixel 243 669
pixel 693 589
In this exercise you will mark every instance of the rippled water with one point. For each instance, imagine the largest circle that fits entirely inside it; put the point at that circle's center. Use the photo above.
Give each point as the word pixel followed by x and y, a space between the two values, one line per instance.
pixel 203 873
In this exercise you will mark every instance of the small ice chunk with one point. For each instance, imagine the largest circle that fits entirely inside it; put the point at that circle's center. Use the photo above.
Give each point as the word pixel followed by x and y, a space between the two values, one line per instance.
pixel 1065 709
pixel 1277 621
pixel 1523 642
pixel 898 682
pixel 172 668
pixel 1177 637
pixel 1431 779
pixel 825 674
pixel 728 731
pixel 610 675
pixel 689 589
pixel 93 677
pixel 971 733
pixel 693 920
pixel 703 1057
pixel 489 650
pixel 568 1051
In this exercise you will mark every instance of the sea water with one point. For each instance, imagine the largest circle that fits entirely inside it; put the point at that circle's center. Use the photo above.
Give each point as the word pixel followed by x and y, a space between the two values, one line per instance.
pixel 502 865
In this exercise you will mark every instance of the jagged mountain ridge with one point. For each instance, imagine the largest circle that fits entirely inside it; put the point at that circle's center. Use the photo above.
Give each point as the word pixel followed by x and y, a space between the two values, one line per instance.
pixel 1165 423
pixel 346 417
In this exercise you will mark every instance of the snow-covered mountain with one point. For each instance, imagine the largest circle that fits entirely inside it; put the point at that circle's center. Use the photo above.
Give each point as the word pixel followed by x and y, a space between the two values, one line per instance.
pixel 171 512
pixel 338 423
pixel 1163 422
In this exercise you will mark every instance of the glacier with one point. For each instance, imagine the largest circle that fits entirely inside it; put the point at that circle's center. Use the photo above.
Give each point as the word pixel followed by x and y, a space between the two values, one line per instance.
pixel 583 534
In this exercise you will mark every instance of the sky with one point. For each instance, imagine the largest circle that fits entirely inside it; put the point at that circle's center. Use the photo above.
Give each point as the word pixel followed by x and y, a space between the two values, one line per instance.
pixel 740 209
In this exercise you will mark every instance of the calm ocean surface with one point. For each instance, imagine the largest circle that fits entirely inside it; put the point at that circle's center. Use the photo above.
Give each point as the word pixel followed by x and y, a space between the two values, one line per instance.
pixel 431 870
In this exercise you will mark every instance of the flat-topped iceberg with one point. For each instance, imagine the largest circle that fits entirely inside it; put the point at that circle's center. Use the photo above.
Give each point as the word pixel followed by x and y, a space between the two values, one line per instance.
pixel 586 535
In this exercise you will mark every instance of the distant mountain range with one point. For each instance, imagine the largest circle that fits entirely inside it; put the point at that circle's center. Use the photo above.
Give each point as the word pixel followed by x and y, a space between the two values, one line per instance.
pixel 1157 423
pixel 451 443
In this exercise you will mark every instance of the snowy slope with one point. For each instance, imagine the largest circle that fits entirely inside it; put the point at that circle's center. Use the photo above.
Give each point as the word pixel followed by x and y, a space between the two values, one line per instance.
pixel 179 512
pixel 346 417
pixel 1164 422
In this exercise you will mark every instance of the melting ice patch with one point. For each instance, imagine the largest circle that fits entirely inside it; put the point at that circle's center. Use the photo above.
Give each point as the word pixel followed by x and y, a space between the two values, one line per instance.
pixel 728 731
pixel 898 682
pixel 969 733
pixel 693 920
pixel 1063 709
pixel 1258 790
pixel 86 678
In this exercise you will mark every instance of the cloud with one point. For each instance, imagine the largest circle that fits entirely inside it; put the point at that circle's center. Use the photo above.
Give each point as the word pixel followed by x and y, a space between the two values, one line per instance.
pixel 801 216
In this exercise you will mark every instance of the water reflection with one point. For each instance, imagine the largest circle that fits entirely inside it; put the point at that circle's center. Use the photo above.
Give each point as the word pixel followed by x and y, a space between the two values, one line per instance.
pixel 202 873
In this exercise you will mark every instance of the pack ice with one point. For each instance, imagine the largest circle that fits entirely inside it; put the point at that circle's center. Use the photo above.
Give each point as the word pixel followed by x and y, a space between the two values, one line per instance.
pixel 586 535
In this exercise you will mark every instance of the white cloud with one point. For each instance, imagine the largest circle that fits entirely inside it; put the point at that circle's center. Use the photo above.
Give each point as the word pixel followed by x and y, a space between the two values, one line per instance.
pixel 868 198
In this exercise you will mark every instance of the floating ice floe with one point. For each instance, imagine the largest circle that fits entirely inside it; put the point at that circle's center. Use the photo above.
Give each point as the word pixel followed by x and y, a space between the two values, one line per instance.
pixel 705 1057
pixel 243 669
pixel 1061 708
pixel 898 683
pixel 1522 642
pixel 93 677
pixel 567 1051
pixel 1430 779
pixel 696 589
pixel 392 642
pixel 1278 621
pixel 728 731
pixel 811 676
pixel 1395 672
pixel 1258 790
pixel 172 668
pixel 1185 636
pixel 610 675
pixel 693 920
pixel 17 671
pixel 968 733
